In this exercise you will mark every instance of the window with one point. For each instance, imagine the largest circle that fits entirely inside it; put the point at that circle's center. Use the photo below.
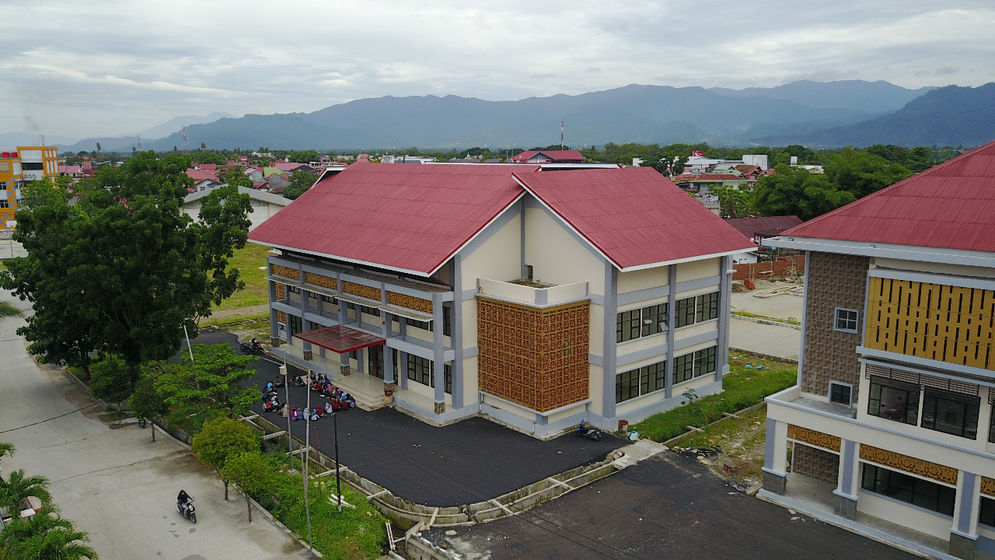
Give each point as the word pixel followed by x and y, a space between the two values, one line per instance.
pixel 642 381
pixel 846 320
pixel 893 400
pixel 991 429
pixel 636 323
pixel 295 324
pixel 909 489
pixel 950 413
pixel 987 515
pixel 420 370
pixel 685 312
pixel 695 364
pixel 375 311
pixel 447 319
pixel 293 289
pixel 707 307
pixel 426 325
pixel 840 393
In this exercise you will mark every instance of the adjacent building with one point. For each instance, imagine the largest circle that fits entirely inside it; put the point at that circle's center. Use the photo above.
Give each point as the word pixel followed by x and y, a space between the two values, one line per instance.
pixel 892 415
pixel 537 299
pixel 18 168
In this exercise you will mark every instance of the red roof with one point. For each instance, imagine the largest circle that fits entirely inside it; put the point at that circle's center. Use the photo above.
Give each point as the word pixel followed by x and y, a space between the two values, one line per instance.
pixel 707 178
pixel 951 206
pixel 765 226
pixel 340 338
pixel 557 156
pixel 403 217
pixel 208 166
pixel 634 216
pixel 288 165
pixel 199 175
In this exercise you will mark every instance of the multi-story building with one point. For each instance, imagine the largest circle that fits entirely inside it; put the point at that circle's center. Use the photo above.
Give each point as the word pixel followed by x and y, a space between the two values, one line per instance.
pixel 536 298
pixel 891 421
pixel 27 164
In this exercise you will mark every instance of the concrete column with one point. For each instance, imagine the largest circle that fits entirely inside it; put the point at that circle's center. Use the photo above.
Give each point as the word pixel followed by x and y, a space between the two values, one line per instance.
pixel 344 364
pixel 456 332
pixel 668 374
pixel 610 346
pixel 964 532
pixel 775 457
pixel 848 481
pixel 725 312
pixel 438 363
pixel 388 354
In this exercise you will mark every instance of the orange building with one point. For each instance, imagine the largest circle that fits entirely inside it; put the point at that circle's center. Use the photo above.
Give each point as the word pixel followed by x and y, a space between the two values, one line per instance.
pixel 18 168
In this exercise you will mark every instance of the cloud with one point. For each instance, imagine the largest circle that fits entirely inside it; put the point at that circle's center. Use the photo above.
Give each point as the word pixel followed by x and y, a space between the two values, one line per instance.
pixel 106 67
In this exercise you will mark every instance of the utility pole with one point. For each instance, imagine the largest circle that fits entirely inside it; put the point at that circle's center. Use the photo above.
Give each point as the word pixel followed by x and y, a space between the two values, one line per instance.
pixel 561 134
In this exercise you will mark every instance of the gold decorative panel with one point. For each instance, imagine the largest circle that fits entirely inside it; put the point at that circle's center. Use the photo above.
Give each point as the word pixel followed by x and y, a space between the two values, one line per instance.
pixel 320 280
pixel 360 290
pixel 411 302
pixel 988 486
pixel 531 356
pixel 285 271
pixel 281 317
pixel 941 473
pixel 932 321
pixel 813 437
pixel 281 291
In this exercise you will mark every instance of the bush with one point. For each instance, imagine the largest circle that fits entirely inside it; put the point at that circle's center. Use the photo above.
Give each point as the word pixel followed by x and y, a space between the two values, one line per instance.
pixel 742 387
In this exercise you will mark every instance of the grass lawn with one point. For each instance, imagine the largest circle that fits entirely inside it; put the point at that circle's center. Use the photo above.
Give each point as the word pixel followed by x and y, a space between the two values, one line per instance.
pixel 251 264
pixel 789 320
pixel 734 447
pixel 743 387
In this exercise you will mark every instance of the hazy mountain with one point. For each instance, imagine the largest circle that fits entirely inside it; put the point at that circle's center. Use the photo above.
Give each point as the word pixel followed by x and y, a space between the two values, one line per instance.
pixel 871 97
pixel 125 143
pixel 949 116
pixel 177 123
pixel 9 141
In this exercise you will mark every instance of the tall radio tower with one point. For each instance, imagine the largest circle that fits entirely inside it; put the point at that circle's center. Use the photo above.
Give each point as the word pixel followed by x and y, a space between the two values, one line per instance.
pixel 184 131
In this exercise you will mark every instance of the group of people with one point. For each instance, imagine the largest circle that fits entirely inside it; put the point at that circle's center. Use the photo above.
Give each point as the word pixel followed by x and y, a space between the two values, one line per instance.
pixel 337 399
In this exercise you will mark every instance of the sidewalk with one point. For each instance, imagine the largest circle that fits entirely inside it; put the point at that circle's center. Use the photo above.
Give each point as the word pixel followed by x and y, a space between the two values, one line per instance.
pixel 111 481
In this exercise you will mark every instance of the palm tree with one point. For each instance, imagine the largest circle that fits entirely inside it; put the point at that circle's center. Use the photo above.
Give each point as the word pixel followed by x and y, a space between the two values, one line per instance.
pixel 46 536
pixel 19 486
pixel 6 448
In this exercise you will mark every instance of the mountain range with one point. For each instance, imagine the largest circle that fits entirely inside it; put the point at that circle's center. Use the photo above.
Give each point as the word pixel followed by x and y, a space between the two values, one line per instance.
pixel 814 114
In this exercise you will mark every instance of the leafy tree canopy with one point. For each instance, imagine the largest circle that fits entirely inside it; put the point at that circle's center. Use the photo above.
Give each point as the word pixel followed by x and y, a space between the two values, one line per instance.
pixel 300 182
pixel 122 269
pixel 45 536
pixel 253 475
pixel 795 191
pixel 221 439
pixel 111 379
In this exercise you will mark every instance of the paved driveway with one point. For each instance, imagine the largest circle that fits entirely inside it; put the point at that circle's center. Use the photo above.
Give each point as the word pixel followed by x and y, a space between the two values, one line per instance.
pixel 116 484
pixel 667 506
pixel 462 463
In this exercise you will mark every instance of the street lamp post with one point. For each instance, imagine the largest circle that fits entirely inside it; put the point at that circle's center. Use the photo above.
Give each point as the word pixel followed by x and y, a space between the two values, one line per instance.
pixel 338 484
pixel 286 404
pixel 307 450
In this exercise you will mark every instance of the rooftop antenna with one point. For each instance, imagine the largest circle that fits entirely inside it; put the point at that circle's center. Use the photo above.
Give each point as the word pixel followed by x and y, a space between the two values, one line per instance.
pixel 139 141
pixel 561 135
pixel 184 131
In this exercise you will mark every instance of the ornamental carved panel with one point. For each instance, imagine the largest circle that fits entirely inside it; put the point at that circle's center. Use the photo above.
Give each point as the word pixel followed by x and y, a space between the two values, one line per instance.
pixel 360 290
pixel 921 467
pixel 988 486
pixel 281 317
pixel 281 291
pixel 531 356
pixel 321 280
pixel 812 437
pixel 410 302
pixel 284 271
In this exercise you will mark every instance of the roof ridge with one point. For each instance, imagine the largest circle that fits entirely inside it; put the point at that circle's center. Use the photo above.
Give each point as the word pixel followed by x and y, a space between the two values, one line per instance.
pixel 863 199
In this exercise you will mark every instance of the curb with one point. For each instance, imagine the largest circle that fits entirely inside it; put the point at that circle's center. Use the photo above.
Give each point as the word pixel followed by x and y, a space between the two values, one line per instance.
pixel 767 322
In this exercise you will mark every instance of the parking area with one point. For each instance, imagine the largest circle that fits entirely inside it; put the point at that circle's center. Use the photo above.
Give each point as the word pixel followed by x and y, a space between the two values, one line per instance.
pixel 668 506
pixel 462 463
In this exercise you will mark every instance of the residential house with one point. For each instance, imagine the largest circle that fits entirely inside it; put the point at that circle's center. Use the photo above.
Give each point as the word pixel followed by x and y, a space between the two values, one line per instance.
pixel 704 183
pixel 548 156
pixel 264 205
pixel 759 229
pixel 891 418
pixel 536 299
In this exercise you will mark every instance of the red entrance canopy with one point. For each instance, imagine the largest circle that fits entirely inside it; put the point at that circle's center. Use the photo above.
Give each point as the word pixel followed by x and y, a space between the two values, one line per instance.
pixel 340 339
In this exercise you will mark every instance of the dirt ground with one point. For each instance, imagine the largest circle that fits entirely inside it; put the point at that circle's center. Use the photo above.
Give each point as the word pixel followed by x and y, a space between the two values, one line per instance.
pixel 733 449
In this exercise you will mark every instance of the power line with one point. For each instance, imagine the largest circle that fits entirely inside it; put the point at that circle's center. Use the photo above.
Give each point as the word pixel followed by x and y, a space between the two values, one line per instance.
pixel 48 419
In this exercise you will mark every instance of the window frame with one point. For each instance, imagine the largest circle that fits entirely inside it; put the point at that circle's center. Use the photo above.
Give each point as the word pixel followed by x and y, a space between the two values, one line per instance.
pixel 849 388
pixel 685 313
pixel 911 390
pixel 931 396
pixel 907 488
pixel 986 511
pixel 640 381
pixel 709 301
pixel 855 320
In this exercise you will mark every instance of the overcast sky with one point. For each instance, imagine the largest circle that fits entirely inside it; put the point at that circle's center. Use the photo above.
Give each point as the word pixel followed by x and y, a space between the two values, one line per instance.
pixel 85 68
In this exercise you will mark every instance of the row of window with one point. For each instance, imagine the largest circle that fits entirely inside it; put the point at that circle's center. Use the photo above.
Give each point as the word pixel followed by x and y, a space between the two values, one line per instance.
pixel 420 371
pixel 942 411
pixel 647 379
pixel 376 312
pixel 652 319
pixel 919 492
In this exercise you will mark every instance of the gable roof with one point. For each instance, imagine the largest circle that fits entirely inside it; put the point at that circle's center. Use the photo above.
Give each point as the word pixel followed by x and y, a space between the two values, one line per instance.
pixel 555 155
pixel 200 175
pixel 635 217
pixel 949 206
pixel 408 218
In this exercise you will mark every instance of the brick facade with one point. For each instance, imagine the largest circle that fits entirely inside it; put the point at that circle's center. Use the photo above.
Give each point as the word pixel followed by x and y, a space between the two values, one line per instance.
pixel 780 268
pixel 531 356
pixel 833 281
pixel 816 463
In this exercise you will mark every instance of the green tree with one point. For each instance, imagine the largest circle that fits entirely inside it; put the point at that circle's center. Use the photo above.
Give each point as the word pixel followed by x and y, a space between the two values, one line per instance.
pixel 6 449
pixel 219 440
pixel 300 182
pixel 862 173
pixel 733 201
pixel 207 387
pixel 146 402
pixel 236 177
pixel 123 270
pixel 111 379
pixel 19 486
pixel 45 536
pixel 795 191
pixel 251 473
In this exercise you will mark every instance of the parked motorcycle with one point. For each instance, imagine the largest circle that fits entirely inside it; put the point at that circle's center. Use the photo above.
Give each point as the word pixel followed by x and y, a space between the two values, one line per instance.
pixel 252 347
pixel 188 512
pixel 590 433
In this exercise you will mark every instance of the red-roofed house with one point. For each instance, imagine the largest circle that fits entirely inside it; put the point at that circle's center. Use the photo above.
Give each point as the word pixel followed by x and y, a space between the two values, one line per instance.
pixel 892 417
pixel 290 167
pixel 74 171
pixel 703 183
pixel 539 299
pixel 548 156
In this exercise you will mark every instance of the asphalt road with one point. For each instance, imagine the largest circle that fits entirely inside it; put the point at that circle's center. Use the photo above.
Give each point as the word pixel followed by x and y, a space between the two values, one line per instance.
pixel 115 484
pixel 462 463
pixel 668 506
